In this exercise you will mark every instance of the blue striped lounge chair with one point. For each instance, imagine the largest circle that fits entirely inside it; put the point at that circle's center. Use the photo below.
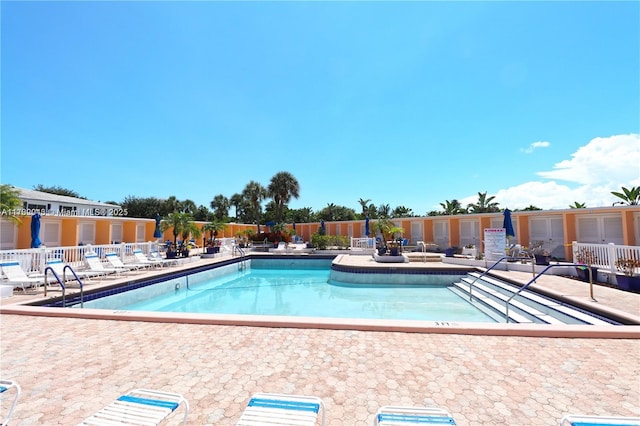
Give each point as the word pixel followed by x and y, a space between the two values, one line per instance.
pixel 280 409
pixel 395 415
pixel 58 266
pixel 95 265
pixel 6 387
pixel 115 262
pixel 579 420
pixel 16 276
pixel 140 407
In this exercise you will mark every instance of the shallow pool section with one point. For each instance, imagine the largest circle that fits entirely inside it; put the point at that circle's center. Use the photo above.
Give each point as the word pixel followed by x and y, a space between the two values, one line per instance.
pixel 300 291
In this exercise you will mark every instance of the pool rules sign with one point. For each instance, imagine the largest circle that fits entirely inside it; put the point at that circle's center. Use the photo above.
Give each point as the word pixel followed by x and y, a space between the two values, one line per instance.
pixel 495 241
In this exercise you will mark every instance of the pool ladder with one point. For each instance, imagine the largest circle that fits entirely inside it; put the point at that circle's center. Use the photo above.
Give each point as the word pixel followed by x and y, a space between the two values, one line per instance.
pixel 61 283
pixel 242 265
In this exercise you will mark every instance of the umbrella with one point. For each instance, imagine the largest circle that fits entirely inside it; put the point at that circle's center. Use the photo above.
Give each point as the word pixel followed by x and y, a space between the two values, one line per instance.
pixel 157 233
pixel 35 231
pixel 366 227
pixel 322 225
pixel 506 224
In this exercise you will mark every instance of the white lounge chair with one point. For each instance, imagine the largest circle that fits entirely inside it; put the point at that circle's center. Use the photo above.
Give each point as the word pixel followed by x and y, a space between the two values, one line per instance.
pixel 139 407
pixel 396 415
pixel 17 277
pixel 282 248
pixel 58 266
pixel 115 262
pixel 95 264
pixel 579 420
pixel 154 260
pixel 280 409
pixel 7 386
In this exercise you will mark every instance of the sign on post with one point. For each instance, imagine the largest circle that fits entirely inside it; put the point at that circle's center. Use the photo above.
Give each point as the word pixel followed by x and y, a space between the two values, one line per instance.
pixel 495 241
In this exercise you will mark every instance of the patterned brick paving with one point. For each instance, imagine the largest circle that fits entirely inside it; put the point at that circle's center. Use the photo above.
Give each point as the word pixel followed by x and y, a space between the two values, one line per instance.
pixel 70 368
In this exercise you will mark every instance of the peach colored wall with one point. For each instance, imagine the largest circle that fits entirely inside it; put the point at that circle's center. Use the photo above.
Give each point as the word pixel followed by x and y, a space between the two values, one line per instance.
pixel 103 232
pixel 70 231
pixel 24 233
pixel 628 231
pixel 454 231
pixel 129 232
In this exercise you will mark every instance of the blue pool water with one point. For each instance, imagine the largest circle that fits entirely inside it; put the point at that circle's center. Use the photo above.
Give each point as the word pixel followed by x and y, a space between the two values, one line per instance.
pixel 295 292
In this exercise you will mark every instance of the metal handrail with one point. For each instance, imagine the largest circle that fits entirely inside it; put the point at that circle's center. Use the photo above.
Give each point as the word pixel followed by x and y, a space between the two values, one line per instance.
pixel 485 273
pixel 62 281
pixel 47 269
pixel 243 257
pixel 77 279
pixel 541 273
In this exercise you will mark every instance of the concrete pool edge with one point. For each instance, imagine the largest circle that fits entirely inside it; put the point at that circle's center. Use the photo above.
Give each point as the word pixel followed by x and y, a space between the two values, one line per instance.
pixel 406 326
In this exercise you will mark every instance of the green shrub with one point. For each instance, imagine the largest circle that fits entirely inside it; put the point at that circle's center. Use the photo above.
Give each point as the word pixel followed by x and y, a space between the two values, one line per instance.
pixel 320 242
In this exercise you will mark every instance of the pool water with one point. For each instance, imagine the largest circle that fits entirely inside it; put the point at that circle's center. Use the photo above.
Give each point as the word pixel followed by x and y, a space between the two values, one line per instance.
pixel 308 293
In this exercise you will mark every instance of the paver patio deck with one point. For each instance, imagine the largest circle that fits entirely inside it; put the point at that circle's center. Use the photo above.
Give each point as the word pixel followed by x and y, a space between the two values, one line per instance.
pixel 69 368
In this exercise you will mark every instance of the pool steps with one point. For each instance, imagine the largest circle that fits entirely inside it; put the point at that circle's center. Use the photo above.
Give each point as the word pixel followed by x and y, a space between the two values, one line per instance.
pixel 491 294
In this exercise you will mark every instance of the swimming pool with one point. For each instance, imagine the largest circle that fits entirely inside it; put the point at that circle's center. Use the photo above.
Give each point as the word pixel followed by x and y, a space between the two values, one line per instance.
pixel 298 289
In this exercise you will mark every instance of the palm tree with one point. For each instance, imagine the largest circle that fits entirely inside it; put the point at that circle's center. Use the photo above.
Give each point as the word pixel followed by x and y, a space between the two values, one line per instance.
pixel 172 204
pixel 364 203
pixel 577 205
pixel 213 228
pixel 402 211
pixel 384 211
pixel 188 206
pixel 630 197
pixel 283 186
pixel 236 202
pixel 452 207
pixel 189 229
pixel 255 194
pixel 10 203
pixel 387 229
pixel 372 211
pixel 176 221
pixel 220 205
pixel 484 204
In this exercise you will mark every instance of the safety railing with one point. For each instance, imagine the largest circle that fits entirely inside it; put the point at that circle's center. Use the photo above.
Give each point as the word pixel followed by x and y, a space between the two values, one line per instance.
pixel 508 301
pixel 61 283
pixel 486 271
pixel 242 265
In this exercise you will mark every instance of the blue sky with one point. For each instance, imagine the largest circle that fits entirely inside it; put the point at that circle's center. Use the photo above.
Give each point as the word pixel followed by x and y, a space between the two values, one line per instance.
pixel 402 103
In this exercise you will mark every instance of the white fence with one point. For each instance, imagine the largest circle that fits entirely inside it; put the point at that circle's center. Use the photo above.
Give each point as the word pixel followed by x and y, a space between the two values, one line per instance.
pixel 34 260
pixel 605 255
pixel 363 245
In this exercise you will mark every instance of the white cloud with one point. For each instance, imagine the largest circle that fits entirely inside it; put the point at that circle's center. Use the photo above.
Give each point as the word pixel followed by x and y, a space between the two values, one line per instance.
pixel 534 146
pixel 601 166
pixel 611 162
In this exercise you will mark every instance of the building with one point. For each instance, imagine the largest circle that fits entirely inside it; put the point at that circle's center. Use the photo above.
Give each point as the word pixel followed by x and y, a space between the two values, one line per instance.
pixel 71 221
